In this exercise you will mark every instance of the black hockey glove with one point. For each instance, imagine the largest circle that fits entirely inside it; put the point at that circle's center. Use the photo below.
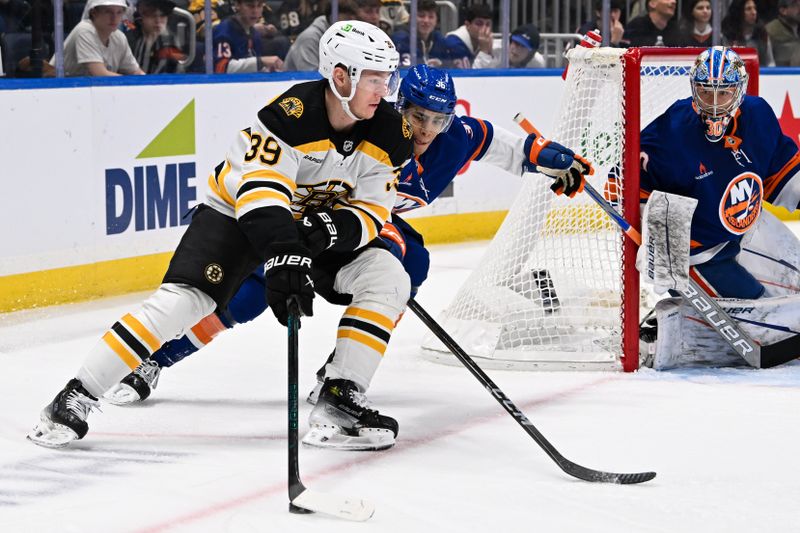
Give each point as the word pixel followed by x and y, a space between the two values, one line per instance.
pixel 317 230
pixel 567 169
pixel 288 275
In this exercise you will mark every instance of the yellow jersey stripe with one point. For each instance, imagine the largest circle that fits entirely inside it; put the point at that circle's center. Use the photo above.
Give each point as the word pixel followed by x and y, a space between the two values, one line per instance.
pixel 372 316
pixel 366 222
pixel 143 333
pixel 127 357
pixel 316 146
pixel 359 337
pixel 378 211
pixel 374 152
pixel 223 192
pixel 271 175
pixel 255 195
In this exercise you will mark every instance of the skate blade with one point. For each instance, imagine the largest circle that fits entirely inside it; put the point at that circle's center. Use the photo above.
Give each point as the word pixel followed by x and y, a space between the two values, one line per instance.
pixel 332 438
pixel 50 435
pixel 121 394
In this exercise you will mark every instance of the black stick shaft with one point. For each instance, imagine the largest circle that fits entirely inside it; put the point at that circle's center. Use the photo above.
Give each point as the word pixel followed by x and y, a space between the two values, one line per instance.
pixel 565 464
pixel 296 486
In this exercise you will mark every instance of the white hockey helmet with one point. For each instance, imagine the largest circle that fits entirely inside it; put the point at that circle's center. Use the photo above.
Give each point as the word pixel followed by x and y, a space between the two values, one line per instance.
pixel 357 46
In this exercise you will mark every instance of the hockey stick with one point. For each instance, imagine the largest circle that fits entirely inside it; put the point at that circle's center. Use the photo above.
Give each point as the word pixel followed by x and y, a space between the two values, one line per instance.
pixel 707 307
pixel 573 469
pixel 302 500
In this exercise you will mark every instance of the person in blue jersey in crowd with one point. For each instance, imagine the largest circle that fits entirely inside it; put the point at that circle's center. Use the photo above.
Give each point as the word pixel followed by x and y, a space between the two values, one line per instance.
pixel 725 149
pixel 443 145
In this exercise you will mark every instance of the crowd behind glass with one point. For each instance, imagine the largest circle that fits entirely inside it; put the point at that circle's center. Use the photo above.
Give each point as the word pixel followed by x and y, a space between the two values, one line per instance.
pixel 135 37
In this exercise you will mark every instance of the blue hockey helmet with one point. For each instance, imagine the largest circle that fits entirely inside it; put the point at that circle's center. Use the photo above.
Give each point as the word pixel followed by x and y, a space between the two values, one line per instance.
pixel 719 82
pixel 429 88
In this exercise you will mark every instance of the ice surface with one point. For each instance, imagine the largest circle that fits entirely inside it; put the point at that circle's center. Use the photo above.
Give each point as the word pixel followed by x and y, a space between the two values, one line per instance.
pixel 208 451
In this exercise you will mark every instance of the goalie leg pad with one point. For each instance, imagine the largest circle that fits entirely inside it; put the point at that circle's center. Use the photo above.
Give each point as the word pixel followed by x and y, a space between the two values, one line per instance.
pixel 684 340
pixel 771 253
pixel 663 258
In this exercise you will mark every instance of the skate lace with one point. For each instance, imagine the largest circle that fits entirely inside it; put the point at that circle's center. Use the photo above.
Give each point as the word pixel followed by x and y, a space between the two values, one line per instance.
pixel 81 405
pixel 149 371
pixel 360 399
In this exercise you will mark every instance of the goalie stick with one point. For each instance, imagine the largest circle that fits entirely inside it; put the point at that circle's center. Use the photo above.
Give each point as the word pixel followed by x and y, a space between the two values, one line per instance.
pixel 573 469
pixel 302 500
pixel 707 307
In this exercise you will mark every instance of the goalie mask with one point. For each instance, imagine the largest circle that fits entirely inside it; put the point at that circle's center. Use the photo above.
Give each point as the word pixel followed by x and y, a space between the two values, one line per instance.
pixel 357 46
pixel 427 98
pixel 719 82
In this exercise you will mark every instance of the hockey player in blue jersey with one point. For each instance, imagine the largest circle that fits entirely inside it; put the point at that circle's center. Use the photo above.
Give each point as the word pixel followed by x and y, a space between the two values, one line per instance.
pixel 443 145
pixel 724 149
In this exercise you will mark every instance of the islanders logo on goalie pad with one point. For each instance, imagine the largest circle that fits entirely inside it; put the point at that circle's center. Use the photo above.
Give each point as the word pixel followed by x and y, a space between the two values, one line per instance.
pixel 741 203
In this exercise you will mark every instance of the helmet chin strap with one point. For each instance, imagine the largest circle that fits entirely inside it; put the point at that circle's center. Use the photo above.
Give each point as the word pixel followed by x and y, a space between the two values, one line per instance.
pixel 345 101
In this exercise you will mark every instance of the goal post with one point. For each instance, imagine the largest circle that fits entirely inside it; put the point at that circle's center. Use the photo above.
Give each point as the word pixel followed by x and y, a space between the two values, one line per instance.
pixel 557 287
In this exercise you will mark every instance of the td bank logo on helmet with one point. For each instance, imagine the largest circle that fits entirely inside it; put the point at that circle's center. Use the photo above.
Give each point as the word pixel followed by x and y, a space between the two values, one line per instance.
pixel 154 189
pixel 740 206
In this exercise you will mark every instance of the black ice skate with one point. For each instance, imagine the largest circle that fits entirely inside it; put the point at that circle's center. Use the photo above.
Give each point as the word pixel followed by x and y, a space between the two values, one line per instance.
pixel 313 396
pixel 136 386
pixel 342 420
pixel 64 420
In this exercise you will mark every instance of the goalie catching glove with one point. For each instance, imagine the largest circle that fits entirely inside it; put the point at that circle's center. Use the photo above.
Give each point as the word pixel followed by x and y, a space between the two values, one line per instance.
pixel 567 169
pixel 288 276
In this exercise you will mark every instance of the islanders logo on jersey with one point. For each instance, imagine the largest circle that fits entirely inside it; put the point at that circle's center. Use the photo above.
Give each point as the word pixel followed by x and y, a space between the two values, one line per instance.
pixel 741 203
pixel 292 106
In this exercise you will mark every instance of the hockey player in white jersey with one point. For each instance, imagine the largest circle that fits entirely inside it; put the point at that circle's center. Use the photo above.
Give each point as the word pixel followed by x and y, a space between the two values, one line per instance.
pixel 720 153
pixel 333 143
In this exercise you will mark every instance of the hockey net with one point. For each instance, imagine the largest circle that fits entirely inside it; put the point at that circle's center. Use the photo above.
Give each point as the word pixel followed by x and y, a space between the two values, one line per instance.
pixel 557 287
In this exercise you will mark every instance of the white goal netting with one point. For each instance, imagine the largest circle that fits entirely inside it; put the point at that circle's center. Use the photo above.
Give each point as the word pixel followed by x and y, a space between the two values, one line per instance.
pixel 549 290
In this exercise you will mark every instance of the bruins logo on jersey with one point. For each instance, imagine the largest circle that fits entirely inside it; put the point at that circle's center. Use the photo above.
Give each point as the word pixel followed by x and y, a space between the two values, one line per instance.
pixel 292 106
pixel 319 195
pixel 406 129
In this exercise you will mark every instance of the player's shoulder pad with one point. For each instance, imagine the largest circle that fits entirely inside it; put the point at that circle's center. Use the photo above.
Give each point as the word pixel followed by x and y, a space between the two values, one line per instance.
pixel 298 116
pixel 390 132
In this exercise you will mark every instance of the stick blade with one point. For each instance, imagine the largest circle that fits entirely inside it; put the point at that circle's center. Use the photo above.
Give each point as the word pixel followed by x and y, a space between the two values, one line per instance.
pixel 354 509
pixel 598 476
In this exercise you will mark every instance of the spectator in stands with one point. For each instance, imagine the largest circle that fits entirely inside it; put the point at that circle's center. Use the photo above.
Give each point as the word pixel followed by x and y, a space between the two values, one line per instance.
pixel 219 10
pixel 523 46
pixel 695 24
pixel 767 9
pixel 615 14
pixel 273 40
pixel 783 34
pixel 742 27
pixel 304 53
pixel 658 27
pixel 11 14
pixel 431 47
pixel 237 44
pixel 96 46
pixel 394 16
pixel 294 16
pixel 152 44
pixel 473 36
pixel 369 11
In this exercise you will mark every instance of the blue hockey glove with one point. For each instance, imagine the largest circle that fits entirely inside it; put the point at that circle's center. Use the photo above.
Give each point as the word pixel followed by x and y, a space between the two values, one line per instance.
pixel 567 169
pixel 288 275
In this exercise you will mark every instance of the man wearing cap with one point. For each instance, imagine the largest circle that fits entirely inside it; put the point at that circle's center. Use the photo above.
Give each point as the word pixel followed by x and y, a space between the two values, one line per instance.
pixel 784 33
pixel 96 46
pixel 150 40
pixel 522 51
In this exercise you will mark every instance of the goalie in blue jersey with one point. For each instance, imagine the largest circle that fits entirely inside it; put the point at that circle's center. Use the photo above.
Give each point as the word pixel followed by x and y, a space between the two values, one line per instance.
pixel 443 145
pixel 721 154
